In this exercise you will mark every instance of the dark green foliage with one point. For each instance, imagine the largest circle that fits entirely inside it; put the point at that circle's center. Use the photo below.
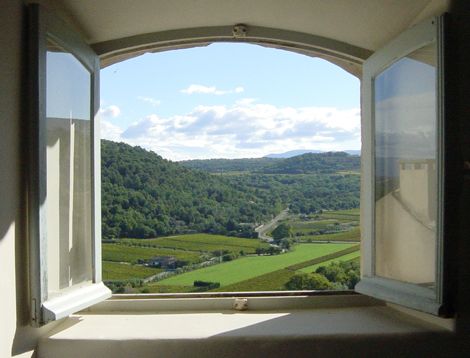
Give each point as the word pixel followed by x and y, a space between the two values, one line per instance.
pixel 303 193
pixel 144 195
pixel 337 275
pixel 308 281
pixel 330 162
pixel 345 273
pixel 229 165
pixel 205 286
pixel 272 250
pixel 123 286
pixel 325 163
pixel 281 232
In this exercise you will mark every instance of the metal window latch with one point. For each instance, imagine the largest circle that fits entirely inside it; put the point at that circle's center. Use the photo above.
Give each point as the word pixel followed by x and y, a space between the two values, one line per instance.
pixel 239 31
pixel 240 304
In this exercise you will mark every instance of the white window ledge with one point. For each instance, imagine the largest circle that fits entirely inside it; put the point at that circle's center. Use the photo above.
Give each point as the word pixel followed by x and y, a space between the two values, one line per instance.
pixel 326 331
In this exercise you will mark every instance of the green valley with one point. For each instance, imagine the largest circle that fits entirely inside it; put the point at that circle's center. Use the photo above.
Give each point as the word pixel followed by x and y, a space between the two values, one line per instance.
pixel 195 226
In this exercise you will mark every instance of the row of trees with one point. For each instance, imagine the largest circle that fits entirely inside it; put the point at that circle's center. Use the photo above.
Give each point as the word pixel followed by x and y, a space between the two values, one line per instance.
pixel 335 276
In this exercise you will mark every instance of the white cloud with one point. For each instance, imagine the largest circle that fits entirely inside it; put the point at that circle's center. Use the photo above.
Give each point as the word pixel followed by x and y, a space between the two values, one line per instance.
pixel 246 101
pixel 110 131
pixel 246 129
pixel 154 102
pixel 210 90
pixel 111 111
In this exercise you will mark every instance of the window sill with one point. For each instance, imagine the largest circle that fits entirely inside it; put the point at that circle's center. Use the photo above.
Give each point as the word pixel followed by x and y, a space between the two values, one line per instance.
pixel 332 328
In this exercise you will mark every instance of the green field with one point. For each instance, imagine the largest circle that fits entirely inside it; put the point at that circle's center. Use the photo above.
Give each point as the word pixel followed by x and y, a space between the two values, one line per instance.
pixel 300 228
pixel 330 226
pixel 118 271
pixel 272 281
pixel 347 257
pixel 353 235
pixel 201 243
pixel 352 214
pixel 125 253
pixel 249 267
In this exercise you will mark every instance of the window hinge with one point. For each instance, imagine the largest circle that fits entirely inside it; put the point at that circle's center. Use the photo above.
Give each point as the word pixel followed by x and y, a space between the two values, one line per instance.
pixel 34 311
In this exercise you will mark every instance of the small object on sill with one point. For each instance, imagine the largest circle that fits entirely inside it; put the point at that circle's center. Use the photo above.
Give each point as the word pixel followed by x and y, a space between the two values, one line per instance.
pixel 240 304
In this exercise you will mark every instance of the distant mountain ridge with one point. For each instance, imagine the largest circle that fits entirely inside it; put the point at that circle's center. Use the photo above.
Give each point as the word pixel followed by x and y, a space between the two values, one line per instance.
pixel 294 153
pixel 307 163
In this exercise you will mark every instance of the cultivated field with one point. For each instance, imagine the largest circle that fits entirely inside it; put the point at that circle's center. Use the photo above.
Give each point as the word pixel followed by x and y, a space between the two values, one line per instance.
pixel 352 235
pixel 201 243
pixel 329 226
pixel 348 257
pixel 319 240
pixel 131 254
pixel 120 271
pixel 249 267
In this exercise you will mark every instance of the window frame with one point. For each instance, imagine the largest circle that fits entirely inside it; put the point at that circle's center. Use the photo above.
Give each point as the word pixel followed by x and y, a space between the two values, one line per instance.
pixel 41 26
pixel 406 294
pixel 43 310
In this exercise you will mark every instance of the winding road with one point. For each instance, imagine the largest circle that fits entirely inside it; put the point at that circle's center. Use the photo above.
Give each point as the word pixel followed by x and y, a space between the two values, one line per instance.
pixel 263 229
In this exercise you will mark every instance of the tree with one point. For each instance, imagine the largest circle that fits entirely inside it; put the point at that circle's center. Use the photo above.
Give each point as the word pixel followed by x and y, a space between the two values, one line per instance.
pixel 282 231
pixel 308 281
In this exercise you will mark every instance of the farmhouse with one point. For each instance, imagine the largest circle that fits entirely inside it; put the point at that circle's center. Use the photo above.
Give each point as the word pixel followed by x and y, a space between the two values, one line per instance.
pixel 164 262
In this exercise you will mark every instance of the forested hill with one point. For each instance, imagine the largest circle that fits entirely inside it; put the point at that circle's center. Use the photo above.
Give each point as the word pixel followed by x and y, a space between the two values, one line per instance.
pixel 230 165
pixel 308 163
pixel 330 162
pixel 144 195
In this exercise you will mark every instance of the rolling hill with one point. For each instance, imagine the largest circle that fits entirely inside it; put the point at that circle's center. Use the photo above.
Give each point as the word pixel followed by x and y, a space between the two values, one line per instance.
pixel 144 195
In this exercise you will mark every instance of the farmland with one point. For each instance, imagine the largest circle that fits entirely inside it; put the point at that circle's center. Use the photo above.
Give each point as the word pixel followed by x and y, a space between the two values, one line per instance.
pixel 131 254
pixel 327 226
pixel 348 257
pixel 233 263
pixel 250 267
pixel 120 271
pixel 200 243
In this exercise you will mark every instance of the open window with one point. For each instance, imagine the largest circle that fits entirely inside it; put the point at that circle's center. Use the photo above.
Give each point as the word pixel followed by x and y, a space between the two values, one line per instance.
pixel 402 185
pixel 64 189
pixel 403 171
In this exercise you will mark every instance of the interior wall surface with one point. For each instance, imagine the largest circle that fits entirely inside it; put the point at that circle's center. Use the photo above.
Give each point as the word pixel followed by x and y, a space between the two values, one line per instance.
pixel 17 337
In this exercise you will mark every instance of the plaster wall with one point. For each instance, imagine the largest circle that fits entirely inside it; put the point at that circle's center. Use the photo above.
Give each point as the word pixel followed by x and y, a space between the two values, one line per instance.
pixel 17 338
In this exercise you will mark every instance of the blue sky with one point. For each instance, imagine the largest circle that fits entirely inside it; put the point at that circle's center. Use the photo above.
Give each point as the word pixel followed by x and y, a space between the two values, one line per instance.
pixel 229 101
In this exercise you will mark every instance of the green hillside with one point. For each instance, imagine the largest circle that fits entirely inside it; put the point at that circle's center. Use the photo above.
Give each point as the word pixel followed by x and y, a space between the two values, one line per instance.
pixel 145 196
pixel 308 163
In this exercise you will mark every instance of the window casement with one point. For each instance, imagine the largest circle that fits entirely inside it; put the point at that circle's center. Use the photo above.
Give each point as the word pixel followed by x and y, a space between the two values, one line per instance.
pixel 402 194
pixel 64 171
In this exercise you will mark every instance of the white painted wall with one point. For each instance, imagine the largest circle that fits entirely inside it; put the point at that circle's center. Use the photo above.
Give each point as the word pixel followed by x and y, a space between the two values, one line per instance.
pixel 17 338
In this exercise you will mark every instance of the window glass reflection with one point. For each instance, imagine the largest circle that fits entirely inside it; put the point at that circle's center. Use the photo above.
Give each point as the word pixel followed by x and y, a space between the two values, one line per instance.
pixel 405 169
pixel 68 156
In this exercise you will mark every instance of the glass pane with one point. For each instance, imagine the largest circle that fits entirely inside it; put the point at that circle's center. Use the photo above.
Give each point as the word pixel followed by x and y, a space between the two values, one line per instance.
pixel 69 233
pixel 405 169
